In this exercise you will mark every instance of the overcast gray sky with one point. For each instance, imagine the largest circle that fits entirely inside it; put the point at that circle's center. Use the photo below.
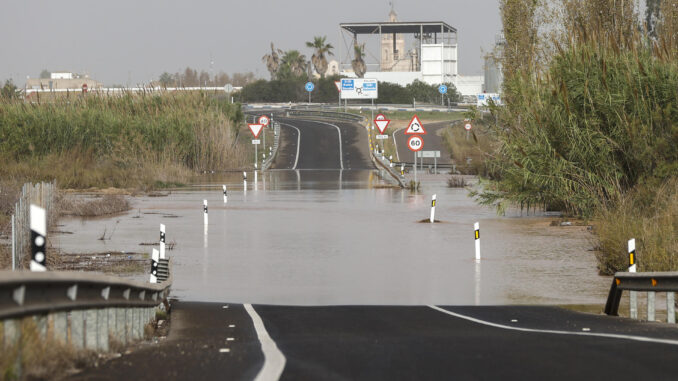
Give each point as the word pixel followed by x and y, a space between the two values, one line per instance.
pixel 121 41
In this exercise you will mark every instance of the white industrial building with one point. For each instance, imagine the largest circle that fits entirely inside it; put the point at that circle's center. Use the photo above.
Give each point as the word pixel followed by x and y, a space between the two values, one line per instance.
pixel 408 51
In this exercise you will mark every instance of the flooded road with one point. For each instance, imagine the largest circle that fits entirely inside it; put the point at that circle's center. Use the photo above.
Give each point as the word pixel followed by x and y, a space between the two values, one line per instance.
pixel 333 237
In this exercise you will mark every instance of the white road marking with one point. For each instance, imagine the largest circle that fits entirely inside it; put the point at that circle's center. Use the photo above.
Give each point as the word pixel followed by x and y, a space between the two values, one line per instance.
pixel 274 360
pixel 341 155
pixel 231 326
pixel 229 339
pixel 296 160
pixel 224 307
pixel 224 350
pixel 396 146
pixel 555 332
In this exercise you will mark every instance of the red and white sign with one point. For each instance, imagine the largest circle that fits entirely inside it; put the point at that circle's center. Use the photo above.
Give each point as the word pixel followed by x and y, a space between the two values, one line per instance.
pixel 84 87
pixel 381 122
pixel 263 120
pixel 338 85
pixel 415 143
pixel 468 126
pixel 256 129
pixel 415 127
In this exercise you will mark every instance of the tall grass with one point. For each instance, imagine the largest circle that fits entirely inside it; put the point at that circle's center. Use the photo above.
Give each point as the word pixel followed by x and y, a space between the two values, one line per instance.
pixel 130 140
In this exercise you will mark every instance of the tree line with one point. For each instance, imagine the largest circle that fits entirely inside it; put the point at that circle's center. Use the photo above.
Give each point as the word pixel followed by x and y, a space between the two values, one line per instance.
pixel 192 78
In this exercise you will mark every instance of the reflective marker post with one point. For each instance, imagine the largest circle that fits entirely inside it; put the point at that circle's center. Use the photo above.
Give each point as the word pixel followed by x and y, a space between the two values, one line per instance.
pixel 633 295
pixel 433 209
pixel 38 238
pixel 162 241
pixel 154 266
pixel 225 194
pixel 204 210
pixel 476 233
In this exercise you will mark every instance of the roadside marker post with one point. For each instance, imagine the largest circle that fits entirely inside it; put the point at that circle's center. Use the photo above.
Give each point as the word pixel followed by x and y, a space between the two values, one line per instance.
pixel 38 238
pixel 402 169
pixel 162 241
pixel 244 181
pixel 225 193
pixel 633 295
pixel 476 234
pixel 204 211
pixel 154 266
pixel 433 209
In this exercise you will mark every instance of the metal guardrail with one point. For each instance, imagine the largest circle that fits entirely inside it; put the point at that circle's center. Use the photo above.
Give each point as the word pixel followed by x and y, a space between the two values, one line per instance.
pixel 326 114
pixel 651 282
pixel 81 308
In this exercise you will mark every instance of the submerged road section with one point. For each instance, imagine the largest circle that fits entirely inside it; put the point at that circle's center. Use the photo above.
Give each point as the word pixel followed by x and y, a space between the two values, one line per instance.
pixel 236 342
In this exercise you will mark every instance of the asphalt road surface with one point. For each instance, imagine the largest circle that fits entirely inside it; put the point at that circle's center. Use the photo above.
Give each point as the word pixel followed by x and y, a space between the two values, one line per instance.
pixel 307 144
pixel 432 142
pixel 236 342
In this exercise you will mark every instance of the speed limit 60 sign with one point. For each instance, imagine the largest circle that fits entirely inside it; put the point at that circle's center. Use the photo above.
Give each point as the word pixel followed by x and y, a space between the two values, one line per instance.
pixel 415 143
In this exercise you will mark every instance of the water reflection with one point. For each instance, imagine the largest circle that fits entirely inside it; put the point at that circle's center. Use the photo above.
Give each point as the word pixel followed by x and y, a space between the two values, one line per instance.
pixel 341 237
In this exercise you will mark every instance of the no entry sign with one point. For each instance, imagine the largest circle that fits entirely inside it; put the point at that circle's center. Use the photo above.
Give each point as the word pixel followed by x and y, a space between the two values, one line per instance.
pixel 415 143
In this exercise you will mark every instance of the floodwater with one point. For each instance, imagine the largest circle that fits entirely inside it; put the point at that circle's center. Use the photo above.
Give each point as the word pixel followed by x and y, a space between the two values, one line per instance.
pixel 338 237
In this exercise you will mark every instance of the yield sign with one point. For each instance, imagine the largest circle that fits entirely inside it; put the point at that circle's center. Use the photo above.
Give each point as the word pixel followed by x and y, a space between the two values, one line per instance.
pixel 256 129
pixel 381 122
pixel 338 85
pixel 415 127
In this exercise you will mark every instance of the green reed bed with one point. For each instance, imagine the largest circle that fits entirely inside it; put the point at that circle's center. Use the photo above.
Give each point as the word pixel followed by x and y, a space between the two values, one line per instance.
pixel 121 141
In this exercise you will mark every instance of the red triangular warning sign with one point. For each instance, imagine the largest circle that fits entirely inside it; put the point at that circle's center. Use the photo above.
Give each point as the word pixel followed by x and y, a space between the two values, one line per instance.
pixel 415 127
pixel 256 129
pixel 382 124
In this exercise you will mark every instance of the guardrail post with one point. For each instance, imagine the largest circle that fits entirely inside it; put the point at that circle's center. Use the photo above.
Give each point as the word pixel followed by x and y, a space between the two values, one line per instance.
pixel 60 320
pixel 102 329
pixel 671 307
pixel 120 332
pixel 650 305
pixel 11 331
pixel 78 329
pixel 41 326
pixel 91 329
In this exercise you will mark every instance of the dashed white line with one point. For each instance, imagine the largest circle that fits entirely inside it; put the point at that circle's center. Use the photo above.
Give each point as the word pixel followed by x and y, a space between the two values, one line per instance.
pixel 274 360
pixel 555 332
pixel 224 350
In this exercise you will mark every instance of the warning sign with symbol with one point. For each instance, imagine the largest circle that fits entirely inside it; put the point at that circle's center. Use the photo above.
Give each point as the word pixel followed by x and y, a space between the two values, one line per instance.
pixel 415 127
pixel 381 122
pixel 256 129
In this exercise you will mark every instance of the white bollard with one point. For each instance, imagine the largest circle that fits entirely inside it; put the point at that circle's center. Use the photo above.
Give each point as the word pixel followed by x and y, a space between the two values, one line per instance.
pixel 633 295
pixel 38 225
pixel 154 266
pixel 204 210
pixel 433 209
pixel 476 232
pixel 162 241
pixel 244 181
pixel 225 194
pixel 402 169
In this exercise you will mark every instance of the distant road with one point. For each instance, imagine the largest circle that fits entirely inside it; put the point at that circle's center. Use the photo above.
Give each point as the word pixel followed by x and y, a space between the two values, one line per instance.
pixel 208 341
pixel 432 142
pixel 307 144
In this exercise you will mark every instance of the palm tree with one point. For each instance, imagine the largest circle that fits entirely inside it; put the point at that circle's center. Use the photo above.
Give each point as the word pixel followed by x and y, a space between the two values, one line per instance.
pixel 295 61
pixel 318 59
pixel 359 67
pixel 272 61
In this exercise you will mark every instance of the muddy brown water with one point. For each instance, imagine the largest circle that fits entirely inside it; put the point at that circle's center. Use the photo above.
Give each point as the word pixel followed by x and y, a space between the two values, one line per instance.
pixel 338 237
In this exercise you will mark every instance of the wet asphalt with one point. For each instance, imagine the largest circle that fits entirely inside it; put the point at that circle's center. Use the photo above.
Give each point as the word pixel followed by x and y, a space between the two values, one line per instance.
pixel 218 341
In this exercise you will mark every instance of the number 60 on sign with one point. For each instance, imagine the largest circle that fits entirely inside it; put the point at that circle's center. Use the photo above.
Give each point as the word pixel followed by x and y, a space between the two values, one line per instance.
pixel 415 143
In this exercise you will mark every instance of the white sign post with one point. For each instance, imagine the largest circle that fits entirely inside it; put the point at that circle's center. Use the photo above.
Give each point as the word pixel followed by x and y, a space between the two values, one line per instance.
pixel 256 130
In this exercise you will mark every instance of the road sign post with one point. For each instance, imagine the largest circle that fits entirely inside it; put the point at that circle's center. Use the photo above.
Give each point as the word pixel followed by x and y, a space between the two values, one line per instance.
pixel 442 89
pixel 309 87
pixel 415 143
pixel 256 130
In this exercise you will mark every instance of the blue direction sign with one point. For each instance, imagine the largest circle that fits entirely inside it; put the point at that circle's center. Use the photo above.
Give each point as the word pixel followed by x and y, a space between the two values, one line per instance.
pixel 309 86
pixel 442 89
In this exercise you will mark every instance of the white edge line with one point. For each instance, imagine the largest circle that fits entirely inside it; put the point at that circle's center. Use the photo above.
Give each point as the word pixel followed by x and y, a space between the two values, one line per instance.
pixel 606 335
pixel 341 154
pixel 395 144
pixel 274 360
pixel 296 160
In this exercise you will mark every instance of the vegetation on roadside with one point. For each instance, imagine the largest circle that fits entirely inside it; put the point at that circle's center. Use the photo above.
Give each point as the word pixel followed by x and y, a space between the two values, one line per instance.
pixel 590 124
pixel 127 141
pixel 469 149
pixel 100 206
